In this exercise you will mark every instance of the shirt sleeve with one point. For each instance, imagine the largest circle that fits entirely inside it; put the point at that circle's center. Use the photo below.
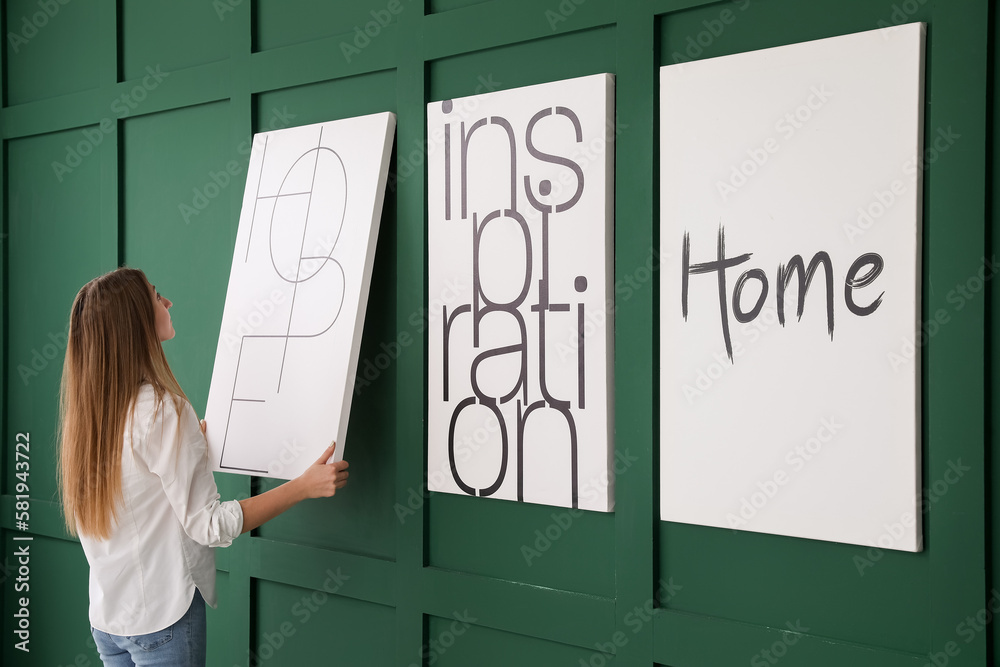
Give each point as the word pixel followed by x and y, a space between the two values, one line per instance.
pixel 178 454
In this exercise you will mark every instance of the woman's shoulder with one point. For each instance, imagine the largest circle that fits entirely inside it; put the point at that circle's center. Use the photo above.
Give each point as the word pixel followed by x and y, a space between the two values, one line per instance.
pixel 151 402
pixel 160 418
pixel 146 392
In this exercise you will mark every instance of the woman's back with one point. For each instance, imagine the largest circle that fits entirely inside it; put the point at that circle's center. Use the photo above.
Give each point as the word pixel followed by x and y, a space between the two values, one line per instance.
pixel 142 579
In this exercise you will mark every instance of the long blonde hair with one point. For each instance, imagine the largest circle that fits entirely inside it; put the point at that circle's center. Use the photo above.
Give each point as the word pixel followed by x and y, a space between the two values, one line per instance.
pixel 111 351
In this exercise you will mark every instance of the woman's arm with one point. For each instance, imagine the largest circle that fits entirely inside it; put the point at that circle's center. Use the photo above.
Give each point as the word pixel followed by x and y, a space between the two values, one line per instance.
pixel 320 480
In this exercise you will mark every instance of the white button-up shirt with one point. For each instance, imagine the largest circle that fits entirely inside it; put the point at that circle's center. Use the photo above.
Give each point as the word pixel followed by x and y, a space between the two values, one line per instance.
pixel 143 578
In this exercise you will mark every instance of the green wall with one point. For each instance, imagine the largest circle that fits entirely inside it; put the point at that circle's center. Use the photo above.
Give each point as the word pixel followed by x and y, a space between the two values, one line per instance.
pixel 125 130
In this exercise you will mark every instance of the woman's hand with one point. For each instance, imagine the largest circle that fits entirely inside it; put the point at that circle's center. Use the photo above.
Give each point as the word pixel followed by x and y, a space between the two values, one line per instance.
pixel 322 479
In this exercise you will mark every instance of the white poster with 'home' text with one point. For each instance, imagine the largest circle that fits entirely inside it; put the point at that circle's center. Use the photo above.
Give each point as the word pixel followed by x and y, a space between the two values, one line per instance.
pixel 790 229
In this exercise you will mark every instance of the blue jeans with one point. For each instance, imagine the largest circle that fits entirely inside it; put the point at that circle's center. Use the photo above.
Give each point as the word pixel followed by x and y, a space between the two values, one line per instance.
pixel 179 645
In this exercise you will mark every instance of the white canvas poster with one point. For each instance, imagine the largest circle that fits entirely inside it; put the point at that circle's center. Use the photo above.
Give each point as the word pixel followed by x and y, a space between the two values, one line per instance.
pixel 288 347
pixel 520 222
pixel 790 227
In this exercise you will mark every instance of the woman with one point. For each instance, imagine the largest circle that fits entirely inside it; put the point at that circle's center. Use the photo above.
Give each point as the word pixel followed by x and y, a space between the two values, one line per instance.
pixel 136 481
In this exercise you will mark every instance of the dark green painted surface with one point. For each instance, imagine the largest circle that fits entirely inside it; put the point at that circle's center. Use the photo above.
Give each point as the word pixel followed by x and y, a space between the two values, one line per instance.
pixel 150 32
pixel 397 578
pixel 219 621
pixel 298 626
pixel 55 227
pixel 993 367
pixel 174 159
pixel 48 50
pixel 280 23
pixel 363 521
pixel 57 603
pixel 435 6
pixel 769 580
pixel 456 641
pixel 535 544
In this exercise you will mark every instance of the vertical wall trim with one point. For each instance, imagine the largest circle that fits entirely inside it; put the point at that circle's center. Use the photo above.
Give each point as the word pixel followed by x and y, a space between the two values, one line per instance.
pixel 635 503
pixel 411 279
pixel 240 606
pixel 954 219
pixel 112 222
pixel 992 326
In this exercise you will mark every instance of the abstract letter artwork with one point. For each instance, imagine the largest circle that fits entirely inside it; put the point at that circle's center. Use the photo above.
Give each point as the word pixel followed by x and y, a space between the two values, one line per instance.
pixel 288 347
pixel 520 222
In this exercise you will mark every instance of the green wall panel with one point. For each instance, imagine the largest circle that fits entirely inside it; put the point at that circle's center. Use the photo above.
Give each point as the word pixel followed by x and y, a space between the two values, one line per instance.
pixel 439 579
pixel 55 589
pixel 362 518
pixel 774 580
pixel 48 48
pixel 283 22
pixel 150 30
pixel 327 100
pixel 54 247
pixel 456 641
pixel 723 28
pixel 534 544
pixel 293 623
pixel 580 54
pixel 218 621
pixel 437 6
pixel 993 371
pixel 769 580
pixel 514 541
pixel 178 226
